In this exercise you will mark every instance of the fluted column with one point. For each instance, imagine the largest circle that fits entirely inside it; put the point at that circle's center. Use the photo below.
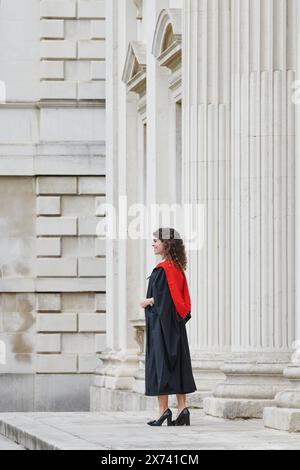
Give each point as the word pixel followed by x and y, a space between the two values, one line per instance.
pixel 286 414
pixel 206 181
pixel 121 356
pixel 262 207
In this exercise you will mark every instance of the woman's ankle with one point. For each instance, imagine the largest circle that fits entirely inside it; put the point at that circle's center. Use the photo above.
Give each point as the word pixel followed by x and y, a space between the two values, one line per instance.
pixel 163 409
pixel 180 408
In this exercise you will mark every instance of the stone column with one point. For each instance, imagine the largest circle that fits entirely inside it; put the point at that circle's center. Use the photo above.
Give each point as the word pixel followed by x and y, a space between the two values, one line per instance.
pixel 262 223
pixel 157 122
pixel 286 414
pixel 206 181
pixel 121 357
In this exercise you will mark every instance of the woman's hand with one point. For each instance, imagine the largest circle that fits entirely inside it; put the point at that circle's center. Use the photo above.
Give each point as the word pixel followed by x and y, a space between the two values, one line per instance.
pixel 146 302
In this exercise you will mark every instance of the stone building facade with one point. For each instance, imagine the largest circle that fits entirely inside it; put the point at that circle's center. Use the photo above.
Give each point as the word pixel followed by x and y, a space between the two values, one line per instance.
pixel 202 107
pixel 52 179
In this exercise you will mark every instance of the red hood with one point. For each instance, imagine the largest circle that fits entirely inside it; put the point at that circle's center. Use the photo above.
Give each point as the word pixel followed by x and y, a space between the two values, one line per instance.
pixel 178 287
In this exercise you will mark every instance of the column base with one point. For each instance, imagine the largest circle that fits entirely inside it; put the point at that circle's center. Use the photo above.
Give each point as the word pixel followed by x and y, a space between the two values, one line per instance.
pixel 119 383
pixel 117 369
pixel 228 408
pixel 252 381
pixel 283 419
pixel 103 399
pixel 285 416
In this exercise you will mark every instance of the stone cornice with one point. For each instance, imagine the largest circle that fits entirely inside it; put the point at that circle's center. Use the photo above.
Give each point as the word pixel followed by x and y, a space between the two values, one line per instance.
pixel 53 104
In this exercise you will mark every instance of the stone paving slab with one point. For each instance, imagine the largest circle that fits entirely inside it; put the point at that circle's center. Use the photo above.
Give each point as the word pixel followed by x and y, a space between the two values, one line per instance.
pixel 129 430
pixel 6 444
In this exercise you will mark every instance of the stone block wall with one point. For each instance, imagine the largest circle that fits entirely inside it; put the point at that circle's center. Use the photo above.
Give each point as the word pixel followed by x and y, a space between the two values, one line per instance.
pixel 70 324
pixel 52 286
pixel 52 178
pixel 72 49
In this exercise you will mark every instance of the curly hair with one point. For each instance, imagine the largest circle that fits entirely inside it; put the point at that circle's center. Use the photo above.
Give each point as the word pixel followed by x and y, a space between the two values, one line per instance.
pixel 173 246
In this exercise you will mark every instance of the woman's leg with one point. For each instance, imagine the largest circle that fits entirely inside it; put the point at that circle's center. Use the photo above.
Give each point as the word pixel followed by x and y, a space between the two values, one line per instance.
pixel 162 404
pixel 181 403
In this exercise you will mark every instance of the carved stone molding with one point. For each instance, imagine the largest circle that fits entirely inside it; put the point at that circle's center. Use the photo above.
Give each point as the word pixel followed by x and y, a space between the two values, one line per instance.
pixel 134 74
pixel 167 39
pixel 139 6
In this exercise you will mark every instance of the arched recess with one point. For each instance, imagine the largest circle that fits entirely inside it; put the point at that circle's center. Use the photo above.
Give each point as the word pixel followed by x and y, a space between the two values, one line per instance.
pixel 167 39
pixel 166 48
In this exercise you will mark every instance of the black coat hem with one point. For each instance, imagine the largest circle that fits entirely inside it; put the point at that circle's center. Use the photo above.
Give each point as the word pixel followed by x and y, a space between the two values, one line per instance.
pixel 168 393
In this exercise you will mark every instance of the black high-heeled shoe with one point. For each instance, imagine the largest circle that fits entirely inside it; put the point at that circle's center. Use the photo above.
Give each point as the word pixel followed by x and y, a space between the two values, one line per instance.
pixel 183 418
pixel 166 415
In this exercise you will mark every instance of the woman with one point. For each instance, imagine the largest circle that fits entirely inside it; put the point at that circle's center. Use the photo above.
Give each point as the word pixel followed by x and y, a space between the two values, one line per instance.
pixel 168 368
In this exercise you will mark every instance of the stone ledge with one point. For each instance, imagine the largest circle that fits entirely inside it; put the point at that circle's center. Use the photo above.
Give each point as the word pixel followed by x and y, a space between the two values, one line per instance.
pixel 34 435
pixel 283 419
pixel 87 165
pixel 235 408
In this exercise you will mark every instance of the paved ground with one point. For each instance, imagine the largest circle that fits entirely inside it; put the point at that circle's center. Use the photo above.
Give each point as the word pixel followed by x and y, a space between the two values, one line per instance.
pixel 128 430
pixel 6 444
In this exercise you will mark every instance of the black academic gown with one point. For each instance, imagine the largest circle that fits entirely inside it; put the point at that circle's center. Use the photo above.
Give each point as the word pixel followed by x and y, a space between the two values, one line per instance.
pixel 168 368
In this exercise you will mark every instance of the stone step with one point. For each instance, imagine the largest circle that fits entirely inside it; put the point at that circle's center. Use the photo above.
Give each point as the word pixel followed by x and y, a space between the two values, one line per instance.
pixel 34 433
pixel 7 444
